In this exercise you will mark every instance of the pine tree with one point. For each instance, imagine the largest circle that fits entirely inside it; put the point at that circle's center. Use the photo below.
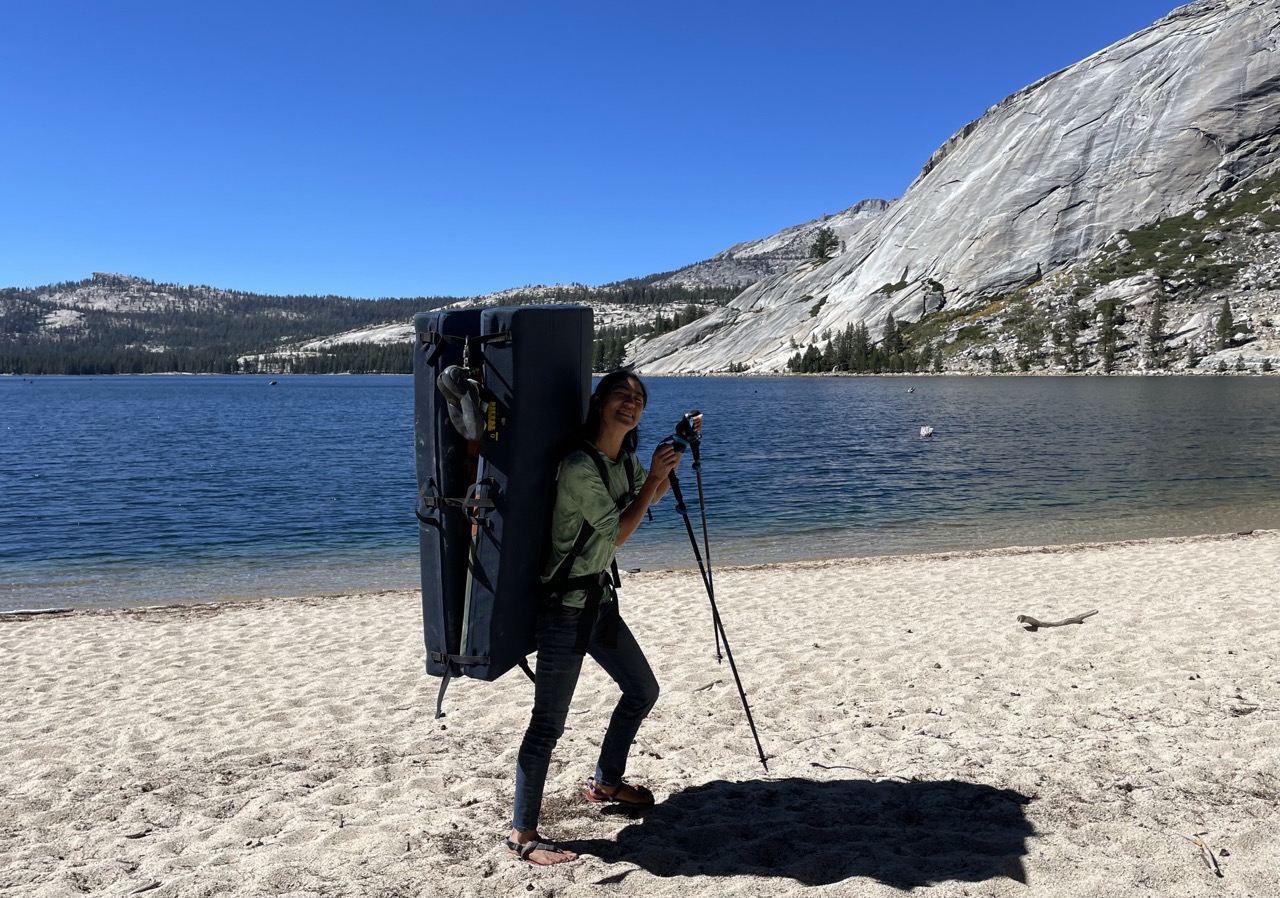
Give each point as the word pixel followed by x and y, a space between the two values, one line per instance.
pixel 844 348
pixel 862 348
pixel 1155 334
pixel 1071 337
pixel 1108 334
pixel 1028 327
pixel 892 340
pixel 925 358
pixel 812 360
pixel 823 245
pixel 1226 325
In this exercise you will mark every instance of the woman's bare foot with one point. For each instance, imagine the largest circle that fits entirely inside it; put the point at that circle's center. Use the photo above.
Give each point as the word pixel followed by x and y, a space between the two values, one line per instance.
pixel 529 846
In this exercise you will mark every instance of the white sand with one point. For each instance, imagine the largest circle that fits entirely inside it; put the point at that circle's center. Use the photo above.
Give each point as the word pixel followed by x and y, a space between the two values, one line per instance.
pixel 918 736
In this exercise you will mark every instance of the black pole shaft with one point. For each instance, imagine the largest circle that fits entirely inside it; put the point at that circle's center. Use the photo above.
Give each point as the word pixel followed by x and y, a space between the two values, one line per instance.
pixel 706 540
pixel 715 614
pixel 693 540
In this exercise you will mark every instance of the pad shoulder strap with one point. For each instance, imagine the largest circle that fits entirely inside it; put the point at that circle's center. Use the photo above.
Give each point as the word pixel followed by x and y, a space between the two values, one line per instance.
pixel 627 498
pixel 561 576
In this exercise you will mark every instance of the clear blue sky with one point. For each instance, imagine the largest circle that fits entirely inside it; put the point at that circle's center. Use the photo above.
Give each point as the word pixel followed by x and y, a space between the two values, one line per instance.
pixel 394 148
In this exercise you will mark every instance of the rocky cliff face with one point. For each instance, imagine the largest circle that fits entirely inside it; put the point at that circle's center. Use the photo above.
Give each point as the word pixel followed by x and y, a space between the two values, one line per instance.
pixel 1161 123
pixel 751 261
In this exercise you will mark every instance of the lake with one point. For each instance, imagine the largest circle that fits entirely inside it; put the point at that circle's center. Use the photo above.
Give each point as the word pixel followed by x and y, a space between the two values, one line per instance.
pixel 148 490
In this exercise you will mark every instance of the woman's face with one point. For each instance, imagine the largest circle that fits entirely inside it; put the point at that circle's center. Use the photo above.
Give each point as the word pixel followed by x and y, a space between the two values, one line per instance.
pixel 623 405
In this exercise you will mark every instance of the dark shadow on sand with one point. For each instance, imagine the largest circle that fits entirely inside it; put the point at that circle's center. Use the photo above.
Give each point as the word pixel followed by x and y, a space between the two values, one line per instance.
pixel 903 834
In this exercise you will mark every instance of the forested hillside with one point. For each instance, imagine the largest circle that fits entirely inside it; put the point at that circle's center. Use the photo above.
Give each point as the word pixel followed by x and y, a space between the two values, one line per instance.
pixel 116 324
pixel 113 324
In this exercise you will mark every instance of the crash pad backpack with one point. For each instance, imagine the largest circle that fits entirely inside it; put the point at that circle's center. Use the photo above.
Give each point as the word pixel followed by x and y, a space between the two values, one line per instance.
pixel 485 498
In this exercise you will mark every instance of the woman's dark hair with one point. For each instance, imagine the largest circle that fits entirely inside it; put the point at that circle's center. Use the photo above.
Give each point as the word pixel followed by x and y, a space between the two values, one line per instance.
pixel 607 385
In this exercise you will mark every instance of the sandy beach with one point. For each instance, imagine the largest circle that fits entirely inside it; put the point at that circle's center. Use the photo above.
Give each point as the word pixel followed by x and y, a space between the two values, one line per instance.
pixel 919 737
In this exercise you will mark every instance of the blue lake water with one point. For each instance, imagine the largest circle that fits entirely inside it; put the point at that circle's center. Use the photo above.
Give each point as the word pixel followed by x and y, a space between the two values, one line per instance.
pixel 147 490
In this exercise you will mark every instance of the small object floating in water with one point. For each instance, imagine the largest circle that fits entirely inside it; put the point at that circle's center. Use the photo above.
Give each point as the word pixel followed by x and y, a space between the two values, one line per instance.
pixel 272 384
pixel 911 389
pixel 926 432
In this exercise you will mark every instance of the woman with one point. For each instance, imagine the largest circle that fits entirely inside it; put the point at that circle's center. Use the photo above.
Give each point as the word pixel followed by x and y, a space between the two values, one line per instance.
pixel 602 493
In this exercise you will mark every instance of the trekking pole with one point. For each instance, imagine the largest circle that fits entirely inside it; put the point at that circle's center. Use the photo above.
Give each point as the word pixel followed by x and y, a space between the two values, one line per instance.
pixel 715 613
pixel 689 434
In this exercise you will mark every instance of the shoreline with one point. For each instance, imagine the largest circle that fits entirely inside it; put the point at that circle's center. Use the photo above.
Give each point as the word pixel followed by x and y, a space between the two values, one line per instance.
pixel 801 564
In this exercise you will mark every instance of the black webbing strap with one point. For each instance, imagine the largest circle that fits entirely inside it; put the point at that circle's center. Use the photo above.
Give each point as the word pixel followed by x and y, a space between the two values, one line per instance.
pixel 450 660
pixel 560 578
pixel 429 498
pixel 437 341
pixel 595 456
pixel 428 501
pixel 437 501
pixel 622 501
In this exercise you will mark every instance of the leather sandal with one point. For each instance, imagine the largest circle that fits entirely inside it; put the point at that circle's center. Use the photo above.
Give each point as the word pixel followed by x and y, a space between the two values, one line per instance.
pixel 525 850
pixel 598 793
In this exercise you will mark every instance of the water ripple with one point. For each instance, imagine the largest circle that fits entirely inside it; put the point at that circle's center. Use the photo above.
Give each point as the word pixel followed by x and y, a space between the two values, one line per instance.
pixel 156 489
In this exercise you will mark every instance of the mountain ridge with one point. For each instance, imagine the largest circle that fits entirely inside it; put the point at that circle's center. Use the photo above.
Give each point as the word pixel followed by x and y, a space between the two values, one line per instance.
pixel 1168 118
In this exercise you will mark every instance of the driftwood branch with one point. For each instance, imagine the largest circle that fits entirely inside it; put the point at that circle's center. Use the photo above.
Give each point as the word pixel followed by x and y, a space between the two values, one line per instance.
pixel 1033 624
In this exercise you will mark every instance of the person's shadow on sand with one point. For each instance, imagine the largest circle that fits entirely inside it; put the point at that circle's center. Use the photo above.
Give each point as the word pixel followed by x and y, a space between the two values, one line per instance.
pixel 904 834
